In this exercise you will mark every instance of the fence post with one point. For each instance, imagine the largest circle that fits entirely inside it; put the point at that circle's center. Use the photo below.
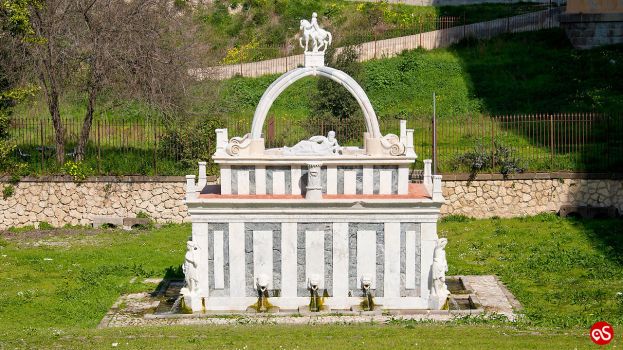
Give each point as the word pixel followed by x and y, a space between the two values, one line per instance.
pixel 42 145
pixel 155 148
pixel 270 130
pixel 491 120
pixel 434 134
pixel 240 58
pixel 608 143
pixel 551 136
pixel 374 44
pixel 99 160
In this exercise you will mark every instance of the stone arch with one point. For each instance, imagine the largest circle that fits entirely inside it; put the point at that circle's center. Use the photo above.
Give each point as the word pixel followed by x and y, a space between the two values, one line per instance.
pixel 278 86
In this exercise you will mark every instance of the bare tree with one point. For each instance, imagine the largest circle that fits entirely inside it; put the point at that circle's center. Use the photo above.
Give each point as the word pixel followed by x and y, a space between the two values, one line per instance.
pixel 52 65
pixel 139 49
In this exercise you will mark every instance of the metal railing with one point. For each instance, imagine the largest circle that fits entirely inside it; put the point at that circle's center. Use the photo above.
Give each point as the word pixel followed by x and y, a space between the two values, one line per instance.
pixel 584 142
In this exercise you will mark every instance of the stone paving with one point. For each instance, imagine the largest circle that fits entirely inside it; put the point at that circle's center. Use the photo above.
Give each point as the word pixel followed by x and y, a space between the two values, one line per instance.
pixel 494 297
pixel 138 310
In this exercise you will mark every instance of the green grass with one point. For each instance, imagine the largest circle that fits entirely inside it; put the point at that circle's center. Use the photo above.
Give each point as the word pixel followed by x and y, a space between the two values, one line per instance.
pixel 263 28
pixel 564 272
pixel 56 287
pixel 367 336
pixel 536 72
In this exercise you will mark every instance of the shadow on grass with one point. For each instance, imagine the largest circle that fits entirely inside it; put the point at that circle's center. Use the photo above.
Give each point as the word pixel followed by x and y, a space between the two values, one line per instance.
pixel 541 73
pixel 606 235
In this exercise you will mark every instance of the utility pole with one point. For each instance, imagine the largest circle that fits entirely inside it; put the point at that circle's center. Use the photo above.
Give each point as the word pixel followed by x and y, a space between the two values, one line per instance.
pixel 434 134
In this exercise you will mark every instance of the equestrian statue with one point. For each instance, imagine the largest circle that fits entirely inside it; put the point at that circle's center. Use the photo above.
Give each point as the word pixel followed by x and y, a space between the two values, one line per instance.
pixel 321 39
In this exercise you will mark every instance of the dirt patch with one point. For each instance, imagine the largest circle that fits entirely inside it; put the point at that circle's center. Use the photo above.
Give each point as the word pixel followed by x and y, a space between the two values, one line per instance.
pixel 35 234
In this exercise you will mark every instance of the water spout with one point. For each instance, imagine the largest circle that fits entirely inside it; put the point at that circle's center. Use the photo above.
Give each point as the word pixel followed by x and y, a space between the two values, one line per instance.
pixel 368 303
pixel 315 304
pixel 262 291
pixel 262 305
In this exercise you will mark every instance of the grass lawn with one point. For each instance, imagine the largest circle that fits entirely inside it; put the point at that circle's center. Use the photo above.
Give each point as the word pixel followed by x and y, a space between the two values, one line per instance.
pixel 55 286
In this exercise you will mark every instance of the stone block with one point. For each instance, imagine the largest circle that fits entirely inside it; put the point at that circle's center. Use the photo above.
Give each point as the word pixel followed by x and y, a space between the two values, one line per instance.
pixel 129 223
pixel 99 220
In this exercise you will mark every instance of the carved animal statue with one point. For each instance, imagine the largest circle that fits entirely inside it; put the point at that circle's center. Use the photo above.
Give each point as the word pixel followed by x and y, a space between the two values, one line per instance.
pixel 320 37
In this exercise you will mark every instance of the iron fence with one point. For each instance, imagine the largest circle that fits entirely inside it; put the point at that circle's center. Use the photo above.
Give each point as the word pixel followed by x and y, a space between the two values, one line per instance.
pixel 585 142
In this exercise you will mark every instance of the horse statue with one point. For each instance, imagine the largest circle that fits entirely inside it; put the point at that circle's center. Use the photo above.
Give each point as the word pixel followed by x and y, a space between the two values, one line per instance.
pixel 320 37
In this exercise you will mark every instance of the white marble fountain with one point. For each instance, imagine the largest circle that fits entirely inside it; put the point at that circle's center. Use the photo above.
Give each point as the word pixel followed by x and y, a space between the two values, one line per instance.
pixel 315 221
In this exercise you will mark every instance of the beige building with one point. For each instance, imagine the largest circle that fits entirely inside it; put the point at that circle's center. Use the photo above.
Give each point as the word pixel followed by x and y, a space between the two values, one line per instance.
pixel 592 23
pixel 594 6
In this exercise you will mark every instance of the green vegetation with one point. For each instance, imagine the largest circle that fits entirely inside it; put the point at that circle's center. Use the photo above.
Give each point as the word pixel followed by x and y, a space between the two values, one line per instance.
pixel 565 272
pixel 369 336
pixel 8 191
pixel 513 74
pixel 535 72
pixel 44 225
pixel 256 30
pixel 56 285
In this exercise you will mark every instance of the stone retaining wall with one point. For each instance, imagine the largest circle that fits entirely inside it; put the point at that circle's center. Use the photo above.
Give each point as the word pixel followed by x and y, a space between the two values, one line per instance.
pixel 528 194
pixel 60 201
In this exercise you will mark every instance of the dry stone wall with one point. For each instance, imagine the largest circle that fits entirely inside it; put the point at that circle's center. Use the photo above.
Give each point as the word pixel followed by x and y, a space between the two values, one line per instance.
pixel 60 201
pixel 528 194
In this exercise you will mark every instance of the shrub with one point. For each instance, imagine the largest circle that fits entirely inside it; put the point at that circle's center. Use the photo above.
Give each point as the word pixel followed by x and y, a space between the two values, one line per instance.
pixel 333 98
pixel 77 170
pixel 502 159
pixel 190 142
pixel 8 191
pixel 456 218
pixel 333 107
pixel 44 225
pixel 143 215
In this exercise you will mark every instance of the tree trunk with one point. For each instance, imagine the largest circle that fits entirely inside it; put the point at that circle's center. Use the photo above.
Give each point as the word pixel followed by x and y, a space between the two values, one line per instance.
pixel 59 129
pixel 87 123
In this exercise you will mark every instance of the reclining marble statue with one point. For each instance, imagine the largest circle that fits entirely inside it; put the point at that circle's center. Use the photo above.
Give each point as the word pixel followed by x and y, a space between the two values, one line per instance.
pixel 286 228
pixel 315 146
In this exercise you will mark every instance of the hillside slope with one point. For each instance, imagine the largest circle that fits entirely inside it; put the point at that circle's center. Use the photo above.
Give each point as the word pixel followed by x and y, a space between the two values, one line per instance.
pixel 524 73
pixel 514 74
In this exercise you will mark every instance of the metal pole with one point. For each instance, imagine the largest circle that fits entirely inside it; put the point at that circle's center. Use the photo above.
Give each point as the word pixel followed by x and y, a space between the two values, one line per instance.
pixel 551 136
pixel 155 126
pixel 434 134
pixel 608 143
pixel 492 144
pixel 42 145
pixel 374 44
pixel 99 166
